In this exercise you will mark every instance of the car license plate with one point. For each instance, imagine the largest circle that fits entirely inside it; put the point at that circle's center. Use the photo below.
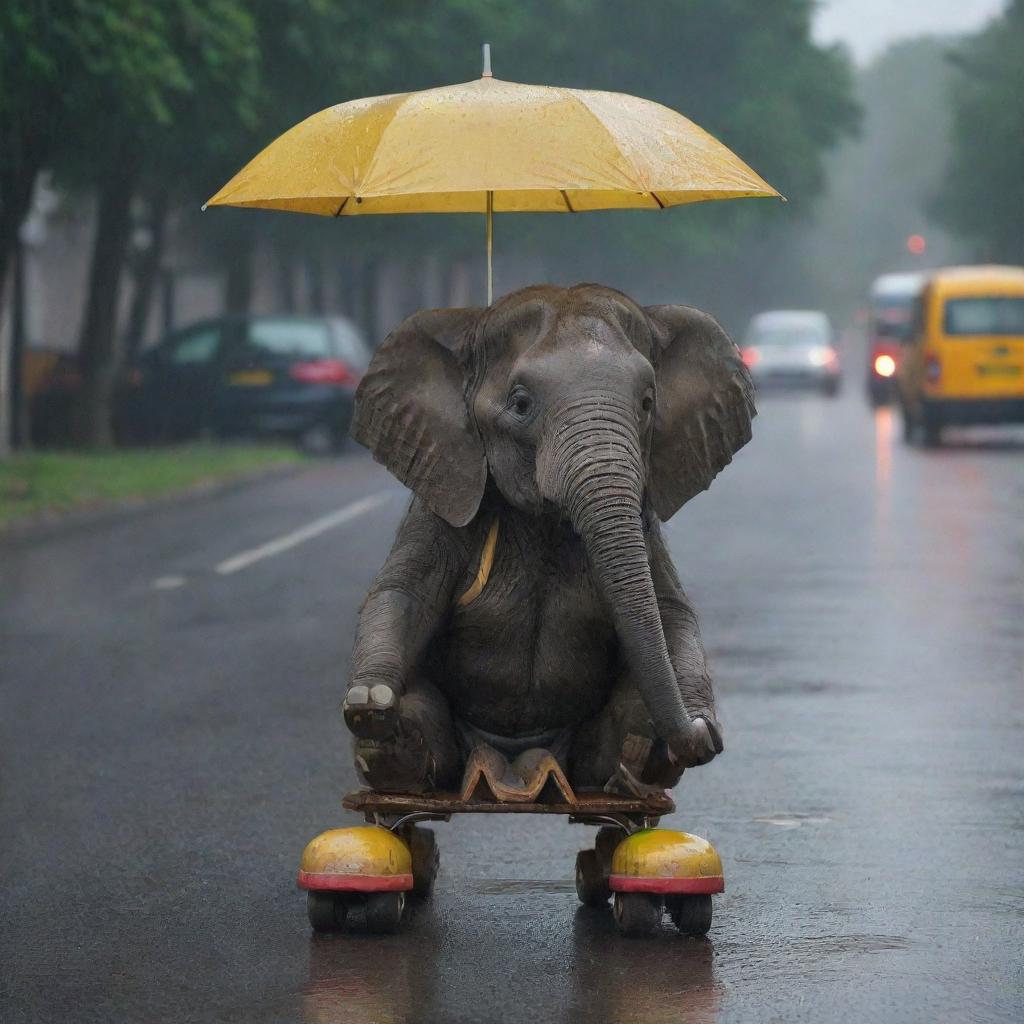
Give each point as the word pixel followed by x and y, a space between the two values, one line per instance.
pixel 251 379
pixel 999 370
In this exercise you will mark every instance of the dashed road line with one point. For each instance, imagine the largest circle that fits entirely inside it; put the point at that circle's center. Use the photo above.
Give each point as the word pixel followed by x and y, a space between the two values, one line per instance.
pixel 343 515
pixel 168 582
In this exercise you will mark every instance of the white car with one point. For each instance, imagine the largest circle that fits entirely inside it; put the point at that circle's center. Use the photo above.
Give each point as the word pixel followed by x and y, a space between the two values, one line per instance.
pixel 792 348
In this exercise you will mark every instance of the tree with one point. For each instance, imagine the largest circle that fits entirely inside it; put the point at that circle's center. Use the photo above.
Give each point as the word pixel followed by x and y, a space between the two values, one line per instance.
pixel 153 79
pixel 34 57
pixel 982 197
pixel 746 70
pixel 877 195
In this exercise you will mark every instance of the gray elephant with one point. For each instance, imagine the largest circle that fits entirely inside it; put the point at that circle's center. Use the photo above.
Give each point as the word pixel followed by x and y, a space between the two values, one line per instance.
pixel 529 599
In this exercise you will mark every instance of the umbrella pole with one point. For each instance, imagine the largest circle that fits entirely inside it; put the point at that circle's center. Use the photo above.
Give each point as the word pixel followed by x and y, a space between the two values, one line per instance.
pixel 490 246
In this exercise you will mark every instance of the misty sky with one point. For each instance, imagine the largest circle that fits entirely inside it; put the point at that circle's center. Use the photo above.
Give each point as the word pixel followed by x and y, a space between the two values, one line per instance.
pixel 868 26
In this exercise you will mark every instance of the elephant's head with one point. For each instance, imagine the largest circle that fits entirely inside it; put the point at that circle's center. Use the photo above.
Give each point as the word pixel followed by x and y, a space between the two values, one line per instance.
pixel 576 399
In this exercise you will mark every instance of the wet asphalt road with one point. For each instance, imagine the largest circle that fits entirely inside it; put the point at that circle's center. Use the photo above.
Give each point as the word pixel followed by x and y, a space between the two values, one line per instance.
pixel 166 753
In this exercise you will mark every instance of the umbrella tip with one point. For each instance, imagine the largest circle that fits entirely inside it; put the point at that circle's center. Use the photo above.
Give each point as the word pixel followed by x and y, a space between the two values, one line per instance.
pixel 202 209
pixel 487 61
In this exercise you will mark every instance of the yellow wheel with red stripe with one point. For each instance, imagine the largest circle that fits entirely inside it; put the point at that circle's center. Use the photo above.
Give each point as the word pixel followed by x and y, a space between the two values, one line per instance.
pixel 366 864
pixel 655 869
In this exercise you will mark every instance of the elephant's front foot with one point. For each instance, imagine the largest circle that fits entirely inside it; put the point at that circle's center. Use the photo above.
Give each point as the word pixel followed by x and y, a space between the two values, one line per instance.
pixel 395 766
pixel 390 754
pixel 403 742
pixel 701 744
pixel 371 712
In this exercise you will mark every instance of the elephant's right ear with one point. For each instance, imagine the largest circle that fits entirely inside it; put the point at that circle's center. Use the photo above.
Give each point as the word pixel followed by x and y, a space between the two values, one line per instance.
pixel 411 413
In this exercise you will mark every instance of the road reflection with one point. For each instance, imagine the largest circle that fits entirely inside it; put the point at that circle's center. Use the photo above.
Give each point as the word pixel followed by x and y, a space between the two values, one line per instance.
pixel 589 975
pixel 356 978
pixel 883 449
pixel 654 981
pixel 883 469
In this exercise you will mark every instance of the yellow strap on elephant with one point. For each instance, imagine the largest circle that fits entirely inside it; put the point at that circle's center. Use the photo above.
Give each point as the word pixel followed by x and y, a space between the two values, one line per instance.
pixel 484 572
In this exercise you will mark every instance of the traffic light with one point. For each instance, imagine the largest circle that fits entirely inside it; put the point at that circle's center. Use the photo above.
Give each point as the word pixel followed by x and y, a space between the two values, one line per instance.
pixel 916 244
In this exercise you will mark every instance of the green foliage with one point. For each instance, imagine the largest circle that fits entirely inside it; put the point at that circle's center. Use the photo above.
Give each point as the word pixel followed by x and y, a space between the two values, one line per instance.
pixel 159 84
pixel 44 483
pixel 88 83
pixel 879 183
pixel 33 56
pixel 982 196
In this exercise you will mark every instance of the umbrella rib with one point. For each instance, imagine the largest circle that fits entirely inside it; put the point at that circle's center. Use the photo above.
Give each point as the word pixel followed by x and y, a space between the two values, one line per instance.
pixel 654 196
pixel 578 96
pixel 337 213
pixel 568 205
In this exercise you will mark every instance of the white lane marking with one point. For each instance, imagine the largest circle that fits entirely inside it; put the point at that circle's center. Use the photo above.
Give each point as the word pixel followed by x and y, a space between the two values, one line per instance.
pixel 343 515
pixel 168 582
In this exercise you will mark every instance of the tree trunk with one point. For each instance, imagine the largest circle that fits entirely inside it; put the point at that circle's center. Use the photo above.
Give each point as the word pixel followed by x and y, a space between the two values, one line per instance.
pixel 286 298
pixel 16 189
pixel 371 299
pixel 315 283
pixel 19 425
pixel 238 284
pixel 458 284
pixel 344 272
pixel 360 304
pixel 167 300
pixel 147 274
pixel 98 343
pixel 433 290
pixel 5 387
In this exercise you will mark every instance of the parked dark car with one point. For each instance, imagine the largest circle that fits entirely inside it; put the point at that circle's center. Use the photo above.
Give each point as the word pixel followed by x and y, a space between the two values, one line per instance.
pixel 289 376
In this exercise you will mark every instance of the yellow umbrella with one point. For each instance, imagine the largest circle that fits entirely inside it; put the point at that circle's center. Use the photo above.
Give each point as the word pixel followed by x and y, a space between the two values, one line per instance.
pixel 487 146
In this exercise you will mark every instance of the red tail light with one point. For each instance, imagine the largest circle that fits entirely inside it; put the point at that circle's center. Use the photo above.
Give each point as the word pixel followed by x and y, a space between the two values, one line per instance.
pixel 885 365
pixel 751 356
pixel 932 369
pixel 824 355
pixel 324 371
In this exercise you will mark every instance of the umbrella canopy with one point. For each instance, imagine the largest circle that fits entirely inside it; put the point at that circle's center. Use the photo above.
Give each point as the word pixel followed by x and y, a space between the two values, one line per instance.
pixel 533 148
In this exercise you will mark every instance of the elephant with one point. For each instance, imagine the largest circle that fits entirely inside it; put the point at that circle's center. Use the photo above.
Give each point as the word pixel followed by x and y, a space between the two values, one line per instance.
pixel 529 599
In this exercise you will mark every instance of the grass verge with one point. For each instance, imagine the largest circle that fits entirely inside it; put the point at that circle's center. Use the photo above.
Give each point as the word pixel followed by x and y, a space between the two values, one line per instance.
pixel 39 484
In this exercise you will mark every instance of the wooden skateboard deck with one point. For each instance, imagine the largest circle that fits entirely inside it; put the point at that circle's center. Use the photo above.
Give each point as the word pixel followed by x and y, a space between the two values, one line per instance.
pixel 444 804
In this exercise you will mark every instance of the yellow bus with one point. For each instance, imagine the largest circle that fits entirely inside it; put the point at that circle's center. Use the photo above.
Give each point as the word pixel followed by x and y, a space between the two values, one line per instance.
pixel 964 358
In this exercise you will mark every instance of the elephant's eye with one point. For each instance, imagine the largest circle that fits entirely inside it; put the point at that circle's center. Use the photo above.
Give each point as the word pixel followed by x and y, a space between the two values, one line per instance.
pixel 520 402
pixel 648 402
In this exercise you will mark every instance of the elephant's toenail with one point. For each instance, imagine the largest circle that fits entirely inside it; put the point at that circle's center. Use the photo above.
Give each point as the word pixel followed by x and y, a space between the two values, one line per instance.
pixel 382 695
pixel 357 696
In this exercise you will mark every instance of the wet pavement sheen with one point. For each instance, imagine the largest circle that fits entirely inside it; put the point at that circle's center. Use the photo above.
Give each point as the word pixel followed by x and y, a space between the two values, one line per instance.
pixel 166 755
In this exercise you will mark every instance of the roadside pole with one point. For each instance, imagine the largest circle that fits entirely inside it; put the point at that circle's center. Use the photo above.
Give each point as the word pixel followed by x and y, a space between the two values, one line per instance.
pixel 5 381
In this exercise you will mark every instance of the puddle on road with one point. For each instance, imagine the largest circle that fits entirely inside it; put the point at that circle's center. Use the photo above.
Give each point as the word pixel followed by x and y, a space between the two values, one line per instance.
pixel 839 944
pixel 767 686
pixel 521 886
pixel 793 819
pixel 805 948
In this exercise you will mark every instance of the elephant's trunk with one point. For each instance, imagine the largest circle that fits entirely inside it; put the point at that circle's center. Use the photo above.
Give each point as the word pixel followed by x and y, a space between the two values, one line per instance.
pixel 591 466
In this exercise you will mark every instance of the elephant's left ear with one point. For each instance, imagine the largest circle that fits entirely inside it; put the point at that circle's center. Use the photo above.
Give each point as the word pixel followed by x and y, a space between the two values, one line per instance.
pixel 705 402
